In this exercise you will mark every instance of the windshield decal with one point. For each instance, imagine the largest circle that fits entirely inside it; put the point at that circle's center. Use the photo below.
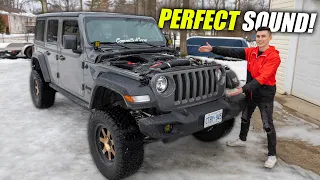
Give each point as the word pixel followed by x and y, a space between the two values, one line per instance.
pixel 137 39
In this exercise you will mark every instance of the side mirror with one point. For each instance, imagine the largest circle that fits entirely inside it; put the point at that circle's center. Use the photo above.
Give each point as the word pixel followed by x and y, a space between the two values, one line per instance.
pixel 70 42
pixel 169 41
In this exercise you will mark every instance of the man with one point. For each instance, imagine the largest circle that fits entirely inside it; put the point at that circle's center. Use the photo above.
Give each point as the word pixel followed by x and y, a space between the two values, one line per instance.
pixel 262 64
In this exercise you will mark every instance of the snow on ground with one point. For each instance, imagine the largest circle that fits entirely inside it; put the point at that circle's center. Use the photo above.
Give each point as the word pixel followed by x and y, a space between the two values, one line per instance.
pixel 3 12
pixel 19 14
pixel 5 40
pixel 4 45
pixel 52 144
pixel 15 35
pixel 297 128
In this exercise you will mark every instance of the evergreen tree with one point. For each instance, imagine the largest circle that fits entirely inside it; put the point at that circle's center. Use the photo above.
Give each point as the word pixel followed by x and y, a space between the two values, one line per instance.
pixel 2 24
pixel 7 30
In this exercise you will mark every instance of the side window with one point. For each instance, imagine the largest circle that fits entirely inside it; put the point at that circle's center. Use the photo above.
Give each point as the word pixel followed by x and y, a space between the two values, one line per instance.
pixel 70 27
pixel 39 34
pixel 52 31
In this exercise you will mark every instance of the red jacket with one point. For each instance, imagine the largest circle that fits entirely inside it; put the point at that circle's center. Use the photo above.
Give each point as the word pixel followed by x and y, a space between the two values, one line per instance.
pixel 263 68
pixel 261 74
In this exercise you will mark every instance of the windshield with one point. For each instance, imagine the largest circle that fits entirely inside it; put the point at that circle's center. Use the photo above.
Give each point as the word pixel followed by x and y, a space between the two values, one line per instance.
pixel 120 30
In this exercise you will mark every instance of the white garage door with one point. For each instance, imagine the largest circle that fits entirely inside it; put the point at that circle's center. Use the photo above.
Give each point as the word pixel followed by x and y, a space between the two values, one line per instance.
pixel 306 81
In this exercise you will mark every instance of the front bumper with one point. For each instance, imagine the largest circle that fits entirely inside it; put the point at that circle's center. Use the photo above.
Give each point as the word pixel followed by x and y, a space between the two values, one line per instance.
pixel 189 120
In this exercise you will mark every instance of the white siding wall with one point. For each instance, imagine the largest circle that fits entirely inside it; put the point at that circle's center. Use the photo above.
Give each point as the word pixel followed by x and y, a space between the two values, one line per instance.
pixel 282 42
pixel 17 24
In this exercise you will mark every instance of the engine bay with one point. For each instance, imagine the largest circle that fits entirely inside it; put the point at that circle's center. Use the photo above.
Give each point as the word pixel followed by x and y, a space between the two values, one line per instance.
pixel 146 63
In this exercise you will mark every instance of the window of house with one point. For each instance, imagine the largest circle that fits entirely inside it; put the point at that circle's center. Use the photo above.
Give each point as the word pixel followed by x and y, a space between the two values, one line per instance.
pixel 52 31
pixel 39 34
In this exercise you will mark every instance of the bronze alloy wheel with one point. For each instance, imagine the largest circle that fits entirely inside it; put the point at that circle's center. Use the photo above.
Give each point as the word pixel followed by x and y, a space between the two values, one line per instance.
pixel 115 142
pixel 106 143
pixel 42 94
pixel 36 87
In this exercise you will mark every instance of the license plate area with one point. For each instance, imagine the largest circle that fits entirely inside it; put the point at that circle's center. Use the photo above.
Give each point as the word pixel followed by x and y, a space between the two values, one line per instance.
pixel 213 118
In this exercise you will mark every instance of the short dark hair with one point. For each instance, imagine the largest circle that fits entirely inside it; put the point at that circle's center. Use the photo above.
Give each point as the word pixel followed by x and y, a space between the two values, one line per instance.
pixel 264 29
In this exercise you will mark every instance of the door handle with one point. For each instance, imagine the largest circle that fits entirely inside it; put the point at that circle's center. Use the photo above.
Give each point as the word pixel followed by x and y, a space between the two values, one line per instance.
pixel 48 53
pixel 62 58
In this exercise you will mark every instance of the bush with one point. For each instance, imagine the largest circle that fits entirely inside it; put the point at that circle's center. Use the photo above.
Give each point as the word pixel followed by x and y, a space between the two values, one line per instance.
pixel 2 25
pixel 7 30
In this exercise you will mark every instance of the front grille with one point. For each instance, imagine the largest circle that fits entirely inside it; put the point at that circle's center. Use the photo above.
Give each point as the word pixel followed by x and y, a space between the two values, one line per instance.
pixel 193 86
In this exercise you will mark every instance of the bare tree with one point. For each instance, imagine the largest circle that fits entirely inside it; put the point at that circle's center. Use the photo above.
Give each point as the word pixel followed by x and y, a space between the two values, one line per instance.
pixel 183 33
pixel 99 5
pixel 44 5
pixel 216 3
pixel 119 5
pixel 146 7
pixel 81 6
pixel 7 3
pixel 264 6
pixel 140 5
pixel 67 2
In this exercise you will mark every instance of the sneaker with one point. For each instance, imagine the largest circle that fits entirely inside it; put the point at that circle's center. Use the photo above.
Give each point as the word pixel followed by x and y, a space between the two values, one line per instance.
pixel 237 143
pixel 271 161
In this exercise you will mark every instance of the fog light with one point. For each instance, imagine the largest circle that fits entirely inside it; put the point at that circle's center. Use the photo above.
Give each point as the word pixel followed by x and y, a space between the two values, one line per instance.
pixel 167 128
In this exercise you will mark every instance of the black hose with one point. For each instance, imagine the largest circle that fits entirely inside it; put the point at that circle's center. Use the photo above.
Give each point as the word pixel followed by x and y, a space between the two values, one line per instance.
pixel 166 65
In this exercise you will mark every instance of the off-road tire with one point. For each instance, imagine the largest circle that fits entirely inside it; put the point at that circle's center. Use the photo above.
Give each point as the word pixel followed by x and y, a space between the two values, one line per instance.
pixel 28 52
pixel 215 132
pixel 127 142
pixel 43 96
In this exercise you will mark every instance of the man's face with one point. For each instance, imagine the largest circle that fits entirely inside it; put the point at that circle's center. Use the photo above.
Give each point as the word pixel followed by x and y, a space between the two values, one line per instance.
pixel 263 38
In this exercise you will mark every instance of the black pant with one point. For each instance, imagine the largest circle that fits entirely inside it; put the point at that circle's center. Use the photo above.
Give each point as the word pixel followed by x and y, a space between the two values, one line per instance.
pixel 266 110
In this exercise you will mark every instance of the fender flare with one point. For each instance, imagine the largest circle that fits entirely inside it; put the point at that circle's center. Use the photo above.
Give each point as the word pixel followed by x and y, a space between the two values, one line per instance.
pixel 43 65
pixel 123 86
pixel 23 50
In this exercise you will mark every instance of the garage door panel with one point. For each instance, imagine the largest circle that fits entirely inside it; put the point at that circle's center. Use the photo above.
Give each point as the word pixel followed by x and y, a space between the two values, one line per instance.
pixel 306 80
pixel 306 89
pixel 301 60
pixel 315 50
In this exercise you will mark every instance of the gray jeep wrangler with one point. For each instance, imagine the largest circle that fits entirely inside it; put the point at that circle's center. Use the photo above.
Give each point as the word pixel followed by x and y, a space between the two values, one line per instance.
pixel 138 90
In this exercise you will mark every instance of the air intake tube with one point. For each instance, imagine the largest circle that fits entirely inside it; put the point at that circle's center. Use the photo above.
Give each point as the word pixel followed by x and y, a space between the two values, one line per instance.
pixel 166 65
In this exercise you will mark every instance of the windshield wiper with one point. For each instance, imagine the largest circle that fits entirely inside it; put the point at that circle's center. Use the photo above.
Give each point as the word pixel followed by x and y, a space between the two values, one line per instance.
pixel 114 43
pixel 138 42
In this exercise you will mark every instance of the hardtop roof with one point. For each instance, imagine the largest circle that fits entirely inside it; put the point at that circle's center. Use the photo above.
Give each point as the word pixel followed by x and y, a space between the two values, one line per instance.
pixel 91 14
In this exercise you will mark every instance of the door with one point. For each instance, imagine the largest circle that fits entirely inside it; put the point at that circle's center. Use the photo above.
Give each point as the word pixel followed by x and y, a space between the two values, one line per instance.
pixel 70 63
pixel 51 45
pixel 306 81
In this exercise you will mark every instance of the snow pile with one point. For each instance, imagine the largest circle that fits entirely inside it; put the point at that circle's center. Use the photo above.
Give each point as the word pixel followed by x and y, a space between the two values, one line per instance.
pixel 3 45
pixel 19 14
pixel 3 12
pixel 296 128
pixel 15 35
pixel 25 14
pixel 302 133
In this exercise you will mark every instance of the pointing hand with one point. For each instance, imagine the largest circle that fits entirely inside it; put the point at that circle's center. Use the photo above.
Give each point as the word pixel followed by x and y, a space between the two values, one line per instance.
pixel 206 48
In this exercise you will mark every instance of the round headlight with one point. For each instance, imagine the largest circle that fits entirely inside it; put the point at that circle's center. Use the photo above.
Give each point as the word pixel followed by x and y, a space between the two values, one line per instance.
pixel 161 84
pixel 218 74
